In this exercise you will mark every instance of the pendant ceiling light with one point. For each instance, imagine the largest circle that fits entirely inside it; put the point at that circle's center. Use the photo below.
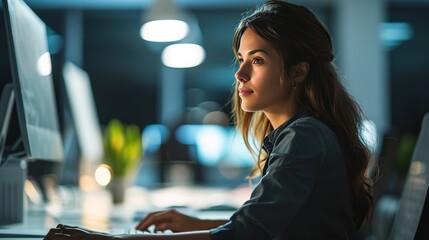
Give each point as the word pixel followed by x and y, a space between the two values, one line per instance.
pixel 164 22
pixel 187 52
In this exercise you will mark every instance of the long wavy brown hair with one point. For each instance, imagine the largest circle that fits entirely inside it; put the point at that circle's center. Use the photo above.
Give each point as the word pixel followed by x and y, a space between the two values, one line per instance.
pixel 297 34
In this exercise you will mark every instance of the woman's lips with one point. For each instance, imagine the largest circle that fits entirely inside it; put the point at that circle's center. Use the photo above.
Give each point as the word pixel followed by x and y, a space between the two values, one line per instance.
pixel 244 92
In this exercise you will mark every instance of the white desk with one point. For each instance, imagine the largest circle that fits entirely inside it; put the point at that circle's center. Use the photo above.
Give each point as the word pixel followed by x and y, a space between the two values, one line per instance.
pixel 94 210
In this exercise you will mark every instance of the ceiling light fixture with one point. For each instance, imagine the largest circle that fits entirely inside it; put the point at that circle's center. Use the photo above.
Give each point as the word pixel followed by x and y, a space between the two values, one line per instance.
pixel 164 23
pixel 187 52
pixel 183 55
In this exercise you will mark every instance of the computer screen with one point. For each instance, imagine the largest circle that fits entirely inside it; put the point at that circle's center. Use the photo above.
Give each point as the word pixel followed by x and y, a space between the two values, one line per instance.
pixel 32 79
pixel 84 112
pixel 414 195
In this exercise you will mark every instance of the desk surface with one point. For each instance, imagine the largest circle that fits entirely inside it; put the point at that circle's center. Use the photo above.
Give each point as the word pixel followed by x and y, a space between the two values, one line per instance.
pixel 94 210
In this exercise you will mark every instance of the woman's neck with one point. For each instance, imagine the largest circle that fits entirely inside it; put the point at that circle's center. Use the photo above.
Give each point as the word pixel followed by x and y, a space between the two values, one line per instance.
pixel 279 117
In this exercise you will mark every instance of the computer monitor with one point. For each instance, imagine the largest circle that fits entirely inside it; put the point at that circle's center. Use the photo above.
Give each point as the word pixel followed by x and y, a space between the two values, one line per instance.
pixel 409 222
pixel 35 106
pixel 32 79
pixel 84 116
pixel 84 112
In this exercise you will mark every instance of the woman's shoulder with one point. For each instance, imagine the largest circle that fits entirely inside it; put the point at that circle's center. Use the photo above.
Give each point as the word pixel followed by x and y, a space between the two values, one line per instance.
pixel 310 123
pixel 304 134
pixel 307 126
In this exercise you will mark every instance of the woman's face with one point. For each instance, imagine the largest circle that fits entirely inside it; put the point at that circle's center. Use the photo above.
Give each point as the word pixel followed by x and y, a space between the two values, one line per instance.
pixel 261 84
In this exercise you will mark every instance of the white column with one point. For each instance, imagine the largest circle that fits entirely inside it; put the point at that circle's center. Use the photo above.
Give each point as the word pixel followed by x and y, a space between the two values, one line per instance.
pixel 361 58
pixel 74 37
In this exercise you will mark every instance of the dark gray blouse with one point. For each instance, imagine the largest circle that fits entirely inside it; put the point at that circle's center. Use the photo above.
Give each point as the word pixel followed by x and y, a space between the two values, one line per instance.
pixel 303 192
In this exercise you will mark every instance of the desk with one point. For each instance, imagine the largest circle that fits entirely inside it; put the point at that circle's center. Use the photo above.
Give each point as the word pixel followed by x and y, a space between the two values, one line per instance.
pixel 94 210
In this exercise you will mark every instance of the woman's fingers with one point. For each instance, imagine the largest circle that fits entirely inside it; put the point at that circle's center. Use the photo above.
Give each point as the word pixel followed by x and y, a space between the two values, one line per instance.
pixel 72 232
pixel 165 220
pixel 51 235
pixel 61 232
pixel 152 219
pixel 164 226
pixel 145 222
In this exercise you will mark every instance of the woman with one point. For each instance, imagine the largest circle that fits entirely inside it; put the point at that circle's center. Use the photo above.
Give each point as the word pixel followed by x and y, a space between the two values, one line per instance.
pixel 312 160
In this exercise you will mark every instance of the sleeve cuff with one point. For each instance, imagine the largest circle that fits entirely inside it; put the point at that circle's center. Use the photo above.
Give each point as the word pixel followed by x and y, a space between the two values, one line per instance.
pixel 223 232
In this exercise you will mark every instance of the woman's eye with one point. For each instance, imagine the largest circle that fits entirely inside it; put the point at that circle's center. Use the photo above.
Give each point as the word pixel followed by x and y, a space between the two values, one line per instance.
pixel 240 60
pixel 257 61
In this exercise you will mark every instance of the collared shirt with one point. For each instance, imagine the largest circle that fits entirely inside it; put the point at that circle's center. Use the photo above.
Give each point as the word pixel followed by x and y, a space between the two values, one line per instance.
pixel 304 191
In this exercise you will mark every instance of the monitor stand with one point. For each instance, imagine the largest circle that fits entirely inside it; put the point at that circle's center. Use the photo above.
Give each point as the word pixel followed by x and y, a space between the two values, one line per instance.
pixel 6 105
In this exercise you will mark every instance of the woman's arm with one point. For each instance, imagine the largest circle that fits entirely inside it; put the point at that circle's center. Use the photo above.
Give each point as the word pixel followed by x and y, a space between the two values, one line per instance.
pixel 177 222
pixel 194 235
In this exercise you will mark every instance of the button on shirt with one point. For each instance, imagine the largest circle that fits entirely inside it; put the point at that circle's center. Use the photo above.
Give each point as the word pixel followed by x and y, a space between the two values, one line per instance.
pixel 303 192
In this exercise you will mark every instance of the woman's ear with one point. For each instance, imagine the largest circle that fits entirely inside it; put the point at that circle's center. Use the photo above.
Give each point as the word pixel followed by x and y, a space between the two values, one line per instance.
pixel 300 71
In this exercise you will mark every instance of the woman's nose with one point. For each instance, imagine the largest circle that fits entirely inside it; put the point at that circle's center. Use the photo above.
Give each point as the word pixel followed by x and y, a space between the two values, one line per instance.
pixel 242 74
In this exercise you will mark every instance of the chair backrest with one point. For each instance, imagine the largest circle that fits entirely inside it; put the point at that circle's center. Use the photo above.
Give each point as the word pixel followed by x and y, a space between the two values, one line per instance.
pixel 415 190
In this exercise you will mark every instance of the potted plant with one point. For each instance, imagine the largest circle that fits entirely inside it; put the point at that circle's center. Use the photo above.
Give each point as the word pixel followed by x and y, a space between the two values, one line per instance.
pixel 123 153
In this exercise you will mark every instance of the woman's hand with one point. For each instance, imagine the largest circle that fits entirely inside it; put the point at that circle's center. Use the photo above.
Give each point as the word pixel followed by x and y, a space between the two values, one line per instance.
pixel 71 232
pixel 176 221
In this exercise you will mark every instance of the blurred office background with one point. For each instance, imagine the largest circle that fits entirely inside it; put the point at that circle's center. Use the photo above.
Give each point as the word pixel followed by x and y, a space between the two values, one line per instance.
pixel 184 115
